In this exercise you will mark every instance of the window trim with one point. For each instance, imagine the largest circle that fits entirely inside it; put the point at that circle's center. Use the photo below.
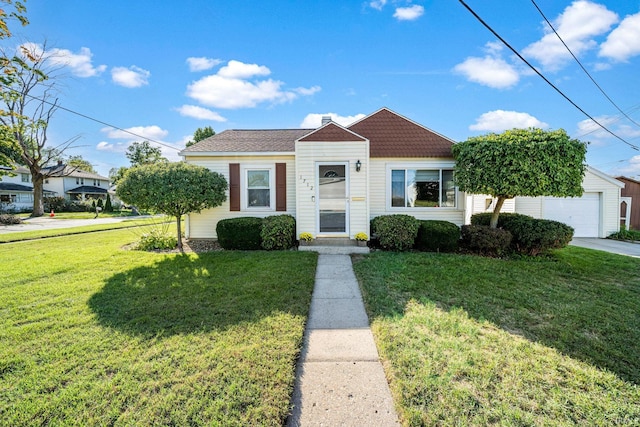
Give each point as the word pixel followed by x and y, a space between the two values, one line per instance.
pixel 437 166
pixel 244 188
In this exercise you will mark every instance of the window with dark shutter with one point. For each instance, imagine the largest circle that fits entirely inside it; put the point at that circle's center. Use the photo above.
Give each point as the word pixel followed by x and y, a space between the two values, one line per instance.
pixel 281 187
pixel 234 186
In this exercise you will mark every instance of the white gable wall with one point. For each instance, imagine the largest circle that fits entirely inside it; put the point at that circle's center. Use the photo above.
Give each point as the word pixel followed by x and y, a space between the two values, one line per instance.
pixel 203 225
pixel 308 155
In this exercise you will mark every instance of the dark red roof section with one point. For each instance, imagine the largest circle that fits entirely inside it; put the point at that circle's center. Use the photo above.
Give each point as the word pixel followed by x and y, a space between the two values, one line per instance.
pixel 391 135
pixel 331 133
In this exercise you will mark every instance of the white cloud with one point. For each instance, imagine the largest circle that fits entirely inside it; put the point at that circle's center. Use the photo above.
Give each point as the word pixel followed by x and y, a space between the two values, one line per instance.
pixel 578 24
pixel 202 63
pixel 589 130
pixel 630 170
pixel 314 120
pixel 377 4
pixel 410 13
pixel 240 70
pixel 200 113
pixel 624 41
pixel 501 120
pixel 489 71
pixel 307 91
pixel 104 146
pixel 149 132
pixel 233 87
pixel 79 63
pixel 130 77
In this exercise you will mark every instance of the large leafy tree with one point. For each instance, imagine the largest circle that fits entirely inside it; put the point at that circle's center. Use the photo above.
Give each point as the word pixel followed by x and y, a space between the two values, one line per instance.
pixel 175 189
pixel 28 101
pixel 143 153
pixel 77 162
pixel 200 134
pixel 520 162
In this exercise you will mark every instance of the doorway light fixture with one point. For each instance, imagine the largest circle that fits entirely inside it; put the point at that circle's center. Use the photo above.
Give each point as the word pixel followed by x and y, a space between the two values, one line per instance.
pixel 358 166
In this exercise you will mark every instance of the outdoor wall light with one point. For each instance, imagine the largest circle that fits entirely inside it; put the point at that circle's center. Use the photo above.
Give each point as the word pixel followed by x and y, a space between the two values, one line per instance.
pixel 358 166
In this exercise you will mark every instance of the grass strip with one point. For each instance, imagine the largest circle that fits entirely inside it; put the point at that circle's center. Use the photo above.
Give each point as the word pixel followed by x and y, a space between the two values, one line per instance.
pixel 467 340
pixel 91 334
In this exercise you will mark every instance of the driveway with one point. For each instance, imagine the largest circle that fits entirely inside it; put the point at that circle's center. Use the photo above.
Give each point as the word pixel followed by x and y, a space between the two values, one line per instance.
pixel 608 245
pixel 48 223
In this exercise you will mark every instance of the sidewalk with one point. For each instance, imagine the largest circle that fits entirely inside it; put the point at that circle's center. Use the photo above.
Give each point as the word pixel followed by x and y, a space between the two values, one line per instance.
pixel 340 380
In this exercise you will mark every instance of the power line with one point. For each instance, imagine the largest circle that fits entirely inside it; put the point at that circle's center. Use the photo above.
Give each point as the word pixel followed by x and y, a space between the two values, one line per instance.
pixel 583 68
pixel 488 27
pixel 53 104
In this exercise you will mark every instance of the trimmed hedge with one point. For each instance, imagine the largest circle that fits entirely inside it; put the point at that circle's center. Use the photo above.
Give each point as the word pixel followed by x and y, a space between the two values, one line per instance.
pixel 278 232
pixel 484 240
pixel 531 236
pixel 437 236
pixel 395 232
pixel 241 233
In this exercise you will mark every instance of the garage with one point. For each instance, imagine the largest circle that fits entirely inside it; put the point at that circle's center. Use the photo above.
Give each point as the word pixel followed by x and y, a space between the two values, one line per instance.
pixel 581 213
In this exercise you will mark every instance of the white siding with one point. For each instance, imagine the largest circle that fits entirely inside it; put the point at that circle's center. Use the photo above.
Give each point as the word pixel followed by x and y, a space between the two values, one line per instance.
pixel 479 203
pixel 203 225
pixel 380 188
pixel 308 154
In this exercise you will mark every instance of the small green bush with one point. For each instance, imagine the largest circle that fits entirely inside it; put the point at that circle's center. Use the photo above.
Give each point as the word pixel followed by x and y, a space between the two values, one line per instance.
pixel 437 236
pixel 483 240
pixel 625 234
pixel 241 233
pixel 278 232
pixel 55 203
pixel 395 232
pixel 157 240
pixel 108 207
pixel 100 203
pixel 531 236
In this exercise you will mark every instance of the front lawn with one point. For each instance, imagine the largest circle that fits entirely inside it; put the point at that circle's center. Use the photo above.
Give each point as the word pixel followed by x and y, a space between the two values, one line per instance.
pixel 91 334
pixel 467 340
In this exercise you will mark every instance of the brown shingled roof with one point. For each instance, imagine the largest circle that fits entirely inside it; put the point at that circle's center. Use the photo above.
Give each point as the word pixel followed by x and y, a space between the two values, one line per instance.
pixel 332 133
pixel 249 141
pixel 391 135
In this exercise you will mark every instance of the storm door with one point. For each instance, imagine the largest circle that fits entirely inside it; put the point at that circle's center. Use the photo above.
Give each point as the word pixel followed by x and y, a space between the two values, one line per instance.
pixel 333 208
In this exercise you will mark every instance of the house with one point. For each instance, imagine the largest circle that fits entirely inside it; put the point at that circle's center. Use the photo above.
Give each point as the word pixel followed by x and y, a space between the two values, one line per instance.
pixel 16 189
pixel 630 203
pixel 334 179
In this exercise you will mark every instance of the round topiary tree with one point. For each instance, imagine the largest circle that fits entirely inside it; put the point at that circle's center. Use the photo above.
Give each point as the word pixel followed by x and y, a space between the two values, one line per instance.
pixel 174 189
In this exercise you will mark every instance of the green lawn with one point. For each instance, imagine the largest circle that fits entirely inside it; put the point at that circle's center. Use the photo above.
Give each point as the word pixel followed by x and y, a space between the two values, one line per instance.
pixel 91 334
pixel 474 341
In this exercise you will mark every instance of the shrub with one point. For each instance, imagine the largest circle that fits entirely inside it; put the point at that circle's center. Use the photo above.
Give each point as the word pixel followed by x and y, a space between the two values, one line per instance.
pixel 241 233
pixel 483 240
pixel 108 207
pixel 278 232
pixel 437 236
pixel 9 219
pixel 625 234
pixel 156 240
pixel 395 232
pixel 55 203
pixel 100 203
pixel 531 236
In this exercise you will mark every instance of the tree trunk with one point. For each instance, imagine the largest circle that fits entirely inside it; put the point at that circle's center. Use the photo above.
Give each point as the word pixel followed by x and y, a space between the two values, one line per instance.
pixel 179 218
pixel 38 200
pixel 496 212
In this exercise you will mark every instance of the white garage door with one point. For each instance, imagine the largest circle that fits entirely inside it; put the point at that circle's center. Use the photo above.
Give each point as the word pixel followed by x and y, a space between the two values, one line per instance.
pixel 582 213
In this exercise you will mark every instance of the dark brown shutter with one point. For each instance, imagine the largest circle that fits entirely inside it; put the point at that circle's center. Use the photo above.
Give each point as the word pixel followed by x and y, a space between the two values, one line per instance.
pixel 281 187
pixel 234 186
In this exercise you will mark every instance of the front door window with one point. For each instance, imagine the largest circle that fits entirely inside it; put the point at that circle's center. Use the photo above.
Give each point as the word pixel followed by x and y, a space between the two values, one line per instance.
pixel 332 194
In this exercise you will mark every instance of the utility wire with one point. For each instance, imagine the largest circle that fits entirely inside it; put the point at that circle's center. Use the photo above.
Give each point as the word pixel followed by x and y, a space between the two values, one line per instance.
pixel 53 104
pixel 488 27
pixel 582 66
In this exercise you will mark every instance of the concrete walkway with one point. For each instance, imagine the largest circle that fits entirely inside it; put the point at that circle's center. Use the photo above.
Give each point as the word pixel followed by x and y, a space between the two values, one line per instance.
pixel 48 223
pixel 608 245
pixel 340 380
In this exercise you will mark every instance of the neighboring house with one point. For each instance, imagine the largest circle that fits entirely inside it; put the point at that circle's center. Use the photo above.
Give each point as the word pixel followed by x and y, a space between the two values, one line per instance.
pixel 16 189
pixel 334 179
pixel 630 203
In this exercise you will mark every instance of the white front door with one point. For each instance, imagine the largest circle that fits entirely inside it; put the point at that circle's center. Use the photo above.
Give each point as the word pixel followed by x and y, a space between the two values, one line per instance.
pixel 333 199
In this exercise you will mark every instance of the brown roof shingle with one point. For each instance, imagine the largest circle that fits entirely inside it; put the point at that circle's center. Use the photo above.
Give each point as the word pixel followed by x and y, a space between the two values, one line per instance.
pixel 391 135
pixel 250 141
pixel 332 133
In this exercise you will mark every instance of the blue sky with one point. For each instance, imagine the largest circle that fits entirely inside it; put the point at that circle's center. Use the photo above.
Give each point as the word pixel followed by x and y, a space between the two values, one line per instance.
pixel 162 69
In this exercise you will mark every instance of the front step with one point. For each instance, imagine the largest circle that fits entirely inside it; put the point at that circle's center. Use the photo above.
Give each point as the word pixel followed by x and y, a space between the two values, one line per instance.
pixel 334 246
pixel 333 241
